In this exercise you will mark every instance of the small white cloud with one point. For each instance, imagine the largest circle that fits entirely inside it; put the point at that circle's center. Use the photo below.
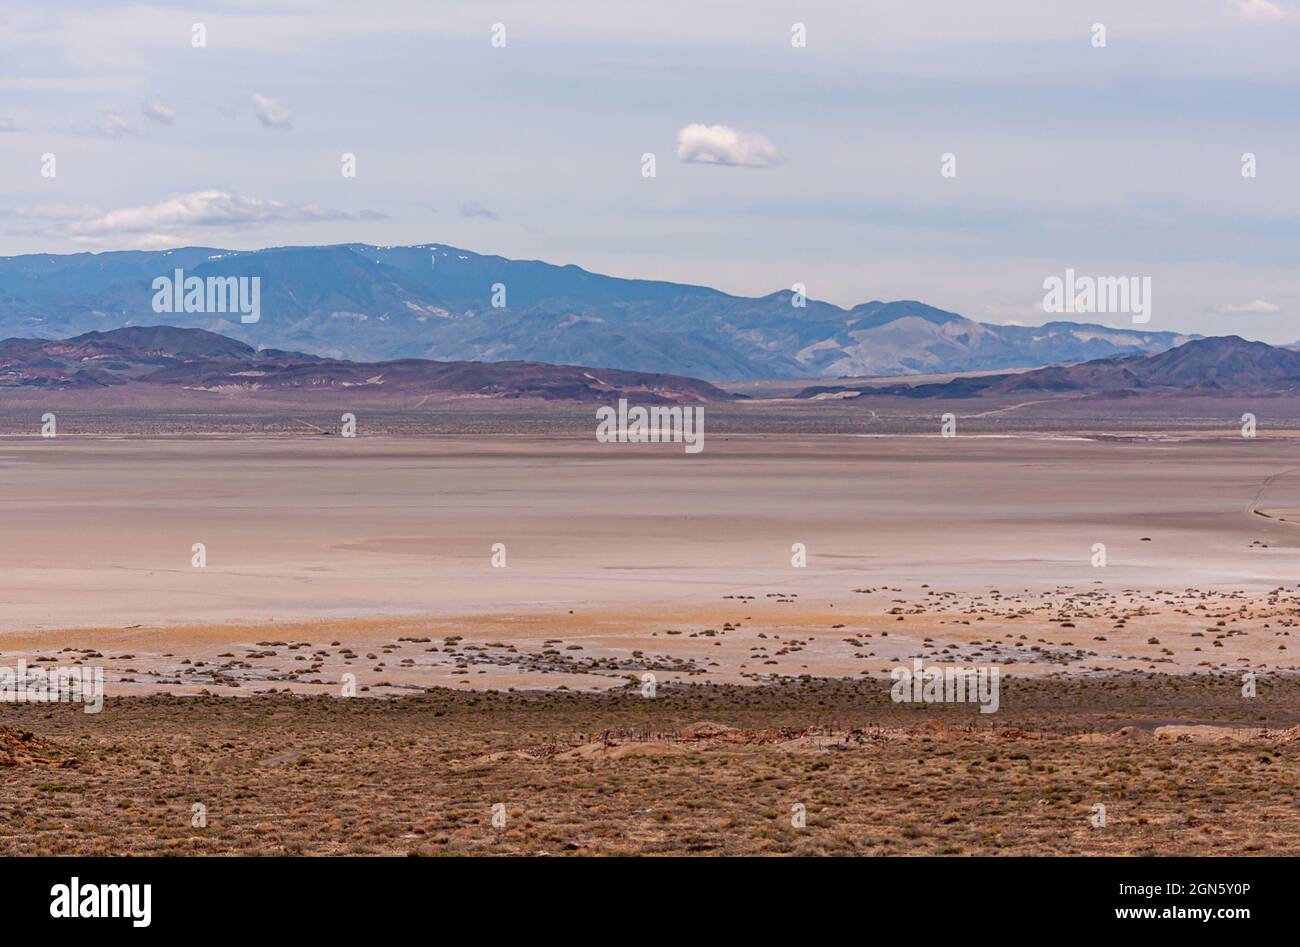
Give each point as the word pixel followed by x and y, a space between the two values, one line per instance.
pixel 114 125
pixel 157 112
pixel 720 144
pixel 271 113
pixel 475 209
pixel 1259 10
pixel 8 125
pixel 1257 308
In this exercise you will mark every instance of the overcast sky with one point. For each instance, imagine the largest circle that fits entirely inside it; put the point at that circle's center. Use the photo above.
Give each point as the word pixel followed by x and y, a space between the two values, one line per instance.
pixel 1124 160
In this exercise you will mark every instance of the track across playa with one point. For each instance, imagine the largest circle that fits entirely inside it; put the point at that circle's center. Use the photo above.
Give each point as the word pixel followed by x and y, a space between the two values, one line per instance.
pixel 1257 501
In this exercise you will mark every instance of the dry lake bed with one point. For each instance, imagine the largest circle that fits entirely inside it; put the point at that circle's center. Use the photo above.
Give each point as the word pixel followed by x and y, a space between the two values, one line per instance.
pixel 498 601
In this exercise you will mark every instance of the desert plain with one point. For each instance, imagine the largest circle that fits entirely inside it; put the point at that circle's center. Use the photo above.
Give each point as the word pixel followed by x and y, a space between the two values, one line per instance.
pixel 498 596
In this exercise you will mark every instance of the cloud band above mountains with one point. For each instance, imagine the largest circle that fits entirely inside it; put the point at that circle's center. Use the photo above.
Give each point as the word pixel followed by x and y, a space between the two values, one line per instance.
pixel 167 222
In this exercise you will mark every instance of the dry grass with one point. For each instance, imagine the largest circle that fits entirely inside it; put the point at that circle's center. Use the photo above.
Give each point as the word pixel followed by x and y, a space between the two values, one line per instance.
pixel 617 774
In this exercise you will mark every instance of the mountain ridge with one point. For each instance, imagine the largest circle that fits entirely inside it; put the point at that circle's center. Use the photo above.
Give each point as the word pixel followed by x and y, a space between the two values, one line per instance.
pixel 367 302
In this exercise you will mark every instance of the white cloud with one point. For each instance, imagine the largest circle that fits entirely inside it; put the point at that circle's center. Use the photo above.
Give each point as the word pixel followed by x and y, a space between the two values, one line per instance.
pixel 1259 10
pixel 206 209
pixel 167 222
pixel 8 125
pixel 114 125
pixel 720 144
pixel 1257 308
pixel 271 113
pixel 157 112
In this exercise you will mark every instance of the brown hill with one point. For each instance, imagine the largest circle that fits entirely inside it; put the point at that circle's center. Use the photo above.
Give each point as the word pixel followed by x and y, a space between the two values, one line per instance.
pixel 1220 364
pixel 195 359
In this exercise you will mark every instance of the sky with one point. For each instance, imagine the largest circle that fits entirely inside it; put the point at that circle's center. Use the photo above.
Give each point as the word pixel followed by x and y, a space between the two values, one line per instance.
pixel 519 128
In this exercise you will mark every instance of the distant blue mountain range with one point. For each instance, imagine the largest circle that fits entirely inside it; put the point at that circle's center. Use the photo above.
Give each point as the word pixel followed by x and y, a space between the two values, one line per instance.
pixel 370 303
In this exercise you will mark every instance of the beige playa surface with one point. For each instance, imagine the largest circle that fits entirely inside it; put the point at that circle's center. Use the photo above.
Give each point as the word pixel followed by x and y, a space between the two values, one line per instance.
pixel 328 555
